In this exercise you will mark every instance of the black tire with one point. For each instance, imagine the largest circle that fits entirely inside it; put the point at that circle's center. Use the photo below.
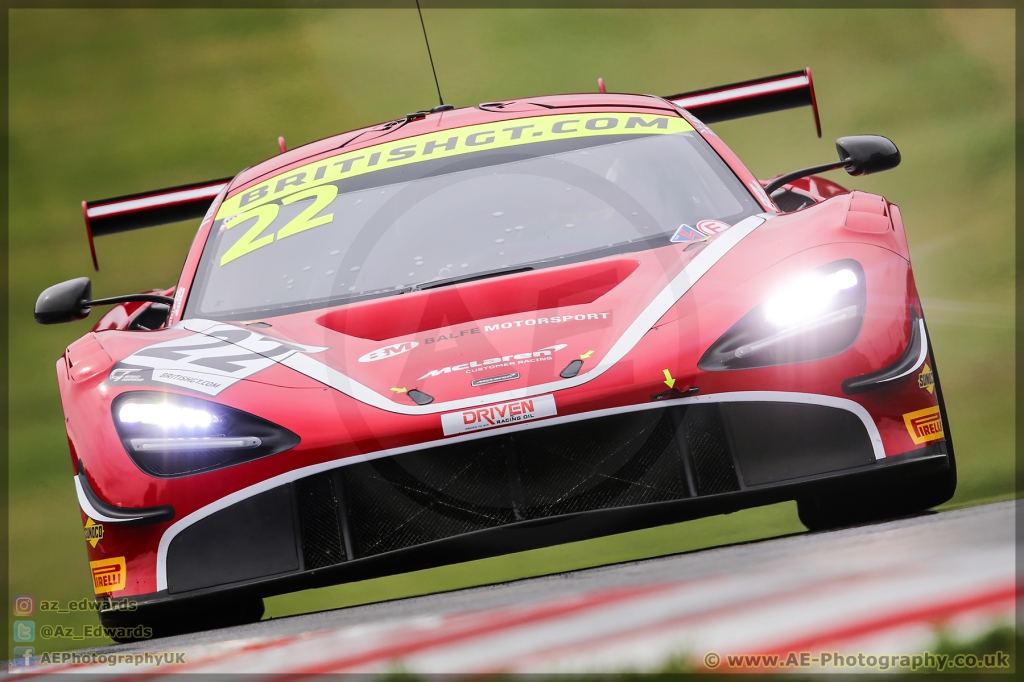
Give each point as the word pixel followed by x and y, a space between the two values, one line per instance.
pixel 856 506
pixel 150 621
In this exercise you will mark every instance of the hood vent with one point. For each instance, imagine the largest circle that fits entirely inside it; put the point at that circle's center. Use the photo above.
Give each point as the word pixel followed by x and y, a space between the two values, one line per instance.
pixel 537 290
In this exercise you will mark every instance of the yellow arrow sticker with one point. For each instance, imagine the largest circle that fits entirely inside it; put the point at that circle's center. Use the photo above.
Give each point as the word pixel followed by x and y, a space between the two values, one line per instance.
pixel 668 378
pixel 400 390
pixel 586 355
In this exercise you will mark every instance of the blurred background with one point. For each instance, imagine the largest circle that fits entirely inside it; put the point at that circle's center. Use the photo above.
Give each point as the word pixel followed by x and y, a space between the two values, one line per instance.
pixel 111 102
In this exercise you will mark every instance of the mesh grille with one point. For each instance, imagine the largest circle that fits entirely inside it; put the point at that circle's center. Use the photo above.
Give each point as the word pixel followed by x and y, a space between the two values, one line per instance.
pixel 709 450
pixel 418 497
pixel 321 532
pixel 791 201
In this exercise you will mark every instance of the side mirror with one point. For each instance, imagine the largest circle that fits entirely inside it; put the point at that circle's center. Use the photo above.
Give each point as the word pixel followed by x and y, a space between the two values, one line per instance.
pixel 866 154
pixel 64 302
pixel 70 301
pixel 858 154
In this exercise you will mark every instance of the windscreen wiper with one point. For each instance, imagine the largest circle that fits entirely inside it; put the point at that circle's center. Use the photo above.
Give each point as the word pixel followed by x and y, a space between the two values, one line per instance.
pixel 433 284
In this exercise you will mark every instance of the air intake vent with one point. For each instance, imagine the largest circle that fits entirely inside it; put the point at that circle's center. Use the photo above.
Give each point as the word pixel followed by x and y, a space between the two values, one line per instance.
pixel 618 461
pixel 321 530
pixel 709 451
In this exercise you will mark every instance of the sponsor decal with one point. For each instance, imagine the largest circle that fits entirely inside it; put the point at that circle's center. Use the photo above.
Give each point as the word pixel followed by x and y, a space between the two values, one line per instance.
pixel 126 376
pixel 686 234
pixel 924 425
pixel 556 319
pixel 108 575
pixel 496 379
pixel 207 363
pixel 179 296
pixel 926 379
pixel 703 129
pixel 389 351
pixel 759 192
pixel 712 227
pixel 93 531
pixel 541 355
pixel 501 414
pixel 448 143
pixel 451 335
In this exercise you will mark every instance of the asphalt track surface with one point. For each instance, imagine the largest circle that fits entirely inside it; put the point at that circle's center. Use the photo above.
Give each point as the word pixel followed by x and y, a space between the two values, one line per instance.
pixel 879 589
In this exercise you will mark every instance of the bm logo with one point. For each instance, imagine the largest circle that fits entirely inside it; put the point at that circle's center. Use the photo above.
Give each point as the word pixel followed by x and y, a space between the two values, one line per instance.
pixel 388 351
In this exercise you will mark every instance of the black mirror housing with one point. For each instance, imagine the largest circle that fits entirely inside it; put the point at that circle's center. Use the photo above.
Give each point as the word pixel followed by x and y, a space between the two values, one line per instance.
pixel 866 154
pixel 64 302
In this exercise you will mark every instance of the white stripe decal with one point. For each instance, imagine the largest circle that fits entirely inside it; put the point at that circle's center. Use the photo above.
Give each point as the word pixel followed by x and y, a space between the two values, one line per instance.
pixel 920 358
pixel 655 310
pixel 130 205
pixel 740 396
pixel 742 93
pixel 91 511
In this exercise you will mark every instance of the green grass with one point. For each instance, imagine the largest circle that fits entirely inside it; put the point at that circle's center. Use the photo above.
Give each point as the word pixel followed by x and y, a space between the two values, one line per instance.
pixel 744 526
pixel 107 102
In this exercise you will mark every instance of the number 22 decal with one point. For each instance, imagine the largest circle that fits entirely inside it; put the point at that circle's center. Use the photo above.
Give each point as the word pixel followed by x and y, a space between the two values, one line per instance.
pixel 266 214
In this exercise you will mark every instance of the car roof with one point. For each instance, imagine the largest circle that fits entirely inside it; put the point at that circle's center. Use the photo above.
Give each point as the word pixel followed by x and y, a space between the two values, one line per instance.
pixel 397 129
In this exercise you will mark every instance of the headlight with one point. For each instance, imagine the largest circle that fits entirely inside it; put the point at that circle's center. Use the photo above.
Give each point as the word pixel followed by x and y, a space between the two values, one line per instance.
pixel 811 317
pixel 167 434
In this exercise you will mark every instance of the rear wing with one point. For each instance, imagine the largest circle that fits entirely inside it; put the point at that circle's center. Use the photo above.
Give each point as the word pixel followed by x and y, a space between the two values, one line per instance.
pixel 750 98
pixel 148 209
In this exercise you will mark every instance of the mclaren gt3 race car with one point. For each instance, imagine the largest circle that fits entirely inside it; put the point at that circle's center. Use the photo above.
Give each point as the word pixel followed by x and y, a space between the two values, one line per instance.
pixel 469 332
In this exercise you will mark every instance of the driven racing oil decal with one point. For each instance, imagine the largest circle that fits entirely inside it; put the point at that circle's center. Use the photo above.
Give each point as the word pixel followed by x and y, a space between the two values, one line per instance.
pixel 501 414
pixel 926 379
pixel 93 531
pixel 208 362
pixel 924 425
pixel 108 575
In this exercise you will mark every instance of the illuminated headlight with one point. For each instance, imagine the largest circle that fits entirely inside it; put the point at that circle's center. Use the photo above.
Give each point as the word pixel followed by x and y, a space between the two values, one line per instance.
pixel 165 415
pixel 807 297
pixel 167 434
pixel 813 316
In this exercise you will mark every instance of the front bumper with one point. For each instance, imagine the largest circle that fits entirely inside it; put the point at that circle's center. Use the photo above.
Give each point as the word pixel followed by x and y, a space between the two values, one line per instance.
pixel 526 488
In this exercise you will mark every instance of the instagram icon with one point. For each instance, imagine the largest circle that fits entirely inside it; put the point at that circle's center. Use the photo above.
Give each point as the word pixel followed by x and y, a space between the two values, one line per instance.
pixel 24 605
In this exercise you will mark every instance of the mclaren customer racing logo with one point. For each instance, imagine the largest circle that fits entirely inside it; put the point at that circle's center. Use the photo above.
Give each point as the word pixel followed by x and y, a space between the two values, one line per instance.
pixel 93 531
pixel 108 575
pixel 494 363
pixel 924 425
pixel 501 414
pixel 389 351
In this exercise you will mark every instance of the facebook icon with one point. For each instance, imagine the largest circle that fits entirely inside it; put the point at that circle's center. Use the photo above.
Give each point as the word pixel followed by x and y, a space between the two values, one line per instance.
pixel 24 656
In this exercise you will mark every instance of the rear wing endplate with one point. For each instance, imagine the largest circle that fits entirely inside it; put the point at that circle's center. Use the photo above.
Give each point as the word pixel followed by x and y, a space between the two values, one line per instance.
pixel 750 98
pixel 148 209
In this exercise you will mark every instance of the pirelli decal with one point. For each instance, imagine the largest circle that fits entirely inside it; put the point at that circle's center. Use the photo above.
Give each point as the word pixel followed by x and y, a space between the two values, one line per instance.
pixel 447 143
pixel 924 425
pixel 108 575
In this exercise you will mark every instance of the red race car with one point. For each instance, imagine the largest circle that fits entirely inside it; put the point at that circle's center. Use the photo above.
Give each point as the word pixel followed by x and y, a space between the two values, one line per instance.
pixel 469 332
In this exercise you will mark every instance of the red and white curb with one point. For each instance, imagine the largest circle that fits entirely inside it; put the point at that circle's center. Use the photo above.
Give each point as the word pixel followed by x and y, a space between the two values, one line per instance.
pixel 877 593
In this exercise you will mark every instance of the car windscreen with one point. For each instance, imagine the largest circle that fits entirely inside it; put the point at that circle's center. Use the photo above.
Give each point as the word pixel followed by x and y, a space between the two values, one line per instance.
pixel 458 205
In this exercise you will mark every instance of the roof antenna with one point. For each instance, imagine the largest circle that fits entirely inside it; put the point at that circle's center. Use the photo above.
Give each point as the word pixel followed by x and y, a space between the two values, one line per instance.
pixel 432 69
